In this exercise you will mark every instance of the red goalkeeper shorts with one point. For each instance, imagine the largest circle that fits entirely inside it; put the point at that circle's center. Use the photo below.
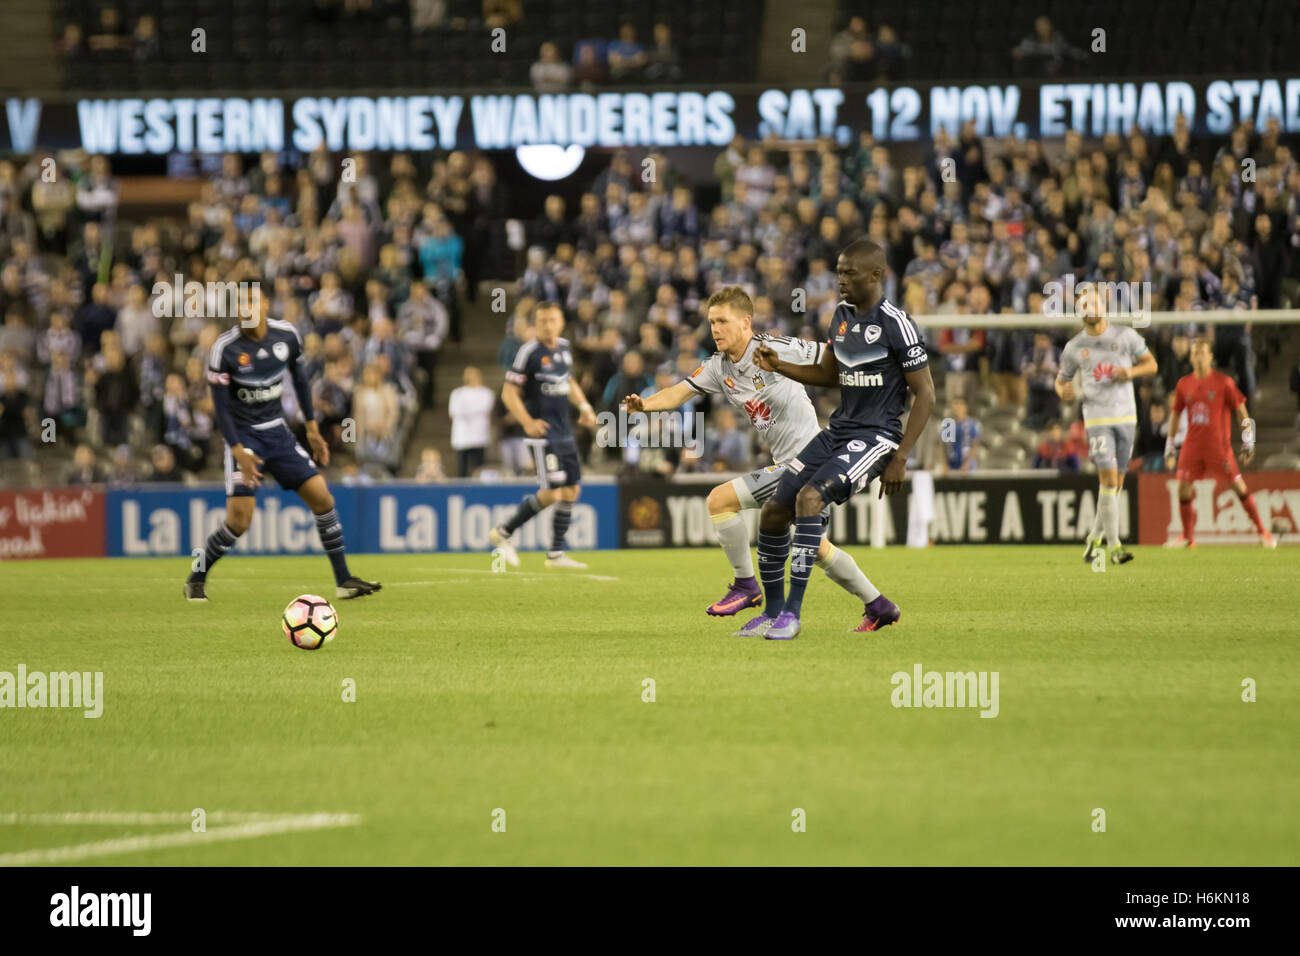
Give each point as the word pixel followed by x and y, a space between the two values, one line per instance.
pixel 1195 463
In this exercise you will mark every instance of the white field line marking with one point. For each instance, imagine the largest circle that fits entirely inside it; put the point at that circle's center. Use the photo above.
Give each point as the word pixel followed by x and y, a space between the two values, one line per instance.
pixel 284 823
pixel 115 817
pixel 552 575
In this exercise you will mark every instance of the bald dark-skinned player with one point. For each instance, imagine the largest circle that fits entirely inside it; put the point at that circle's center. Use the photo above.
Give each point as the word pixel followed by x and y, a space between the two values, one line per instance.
pixel 875 355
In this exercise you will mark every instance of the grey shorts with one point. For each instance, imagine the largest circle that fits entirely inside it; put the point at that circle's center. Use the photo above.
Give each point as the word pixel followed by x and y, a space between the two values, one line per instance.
pixel 756 487
pixel 1111 446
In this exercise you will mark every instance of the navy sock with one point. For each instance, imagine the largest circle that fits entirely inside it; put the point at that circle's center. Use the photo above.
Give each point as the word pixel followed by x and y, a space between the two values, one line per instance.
pixel 803 555
pixel 331 536
pixel 773 549
pixel 527 509
pixel 219 542
pixel 560 525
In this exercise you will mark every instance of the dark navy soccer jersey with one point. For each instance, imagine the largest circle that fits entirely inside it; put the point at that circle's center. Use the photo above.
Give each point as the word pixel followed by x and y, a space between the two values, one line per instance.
pixel 252 374
pixel 875 350
pixel 542 375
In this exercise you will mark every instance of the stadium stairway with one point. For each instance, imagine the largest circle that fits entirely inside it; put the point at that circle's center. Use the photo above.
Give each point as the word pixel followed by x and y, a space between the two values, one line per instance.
pixel 776 62
pixel 481 334
pixel 26 54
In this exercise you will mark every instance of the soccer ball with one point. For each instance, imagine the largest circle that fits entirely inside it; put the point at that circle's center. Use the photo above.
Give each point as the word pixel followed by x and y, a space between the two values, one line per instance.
pixel 309 621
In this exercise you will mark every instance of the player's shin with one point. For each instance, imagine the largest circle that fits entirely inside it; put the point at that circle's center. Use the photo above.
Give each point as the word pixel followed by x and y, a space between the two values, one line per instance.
pixel 1108 508
pixel 773 550
pixel 527 508
pixel 330 530
pixel 560 519
pixel 1248 502
pixel 844 571
pixel 803 555
pixel 219 542
pixel 1187 515
pixel 734 538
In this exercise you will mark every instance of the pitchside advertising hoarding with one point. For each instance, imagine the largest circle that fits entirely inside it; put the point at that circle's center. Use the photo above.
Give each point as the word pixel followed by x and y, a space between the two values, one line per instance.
pixel 1020 510
pixel 430 119
pixel 388 519
pixel 171 521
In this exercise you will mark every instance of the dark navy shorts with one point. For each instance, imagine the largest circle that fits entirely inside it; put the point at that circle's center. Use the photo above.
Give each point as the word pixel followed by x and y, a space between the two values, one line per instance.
pixel 558 466
pixel 837 467
pixel 282 458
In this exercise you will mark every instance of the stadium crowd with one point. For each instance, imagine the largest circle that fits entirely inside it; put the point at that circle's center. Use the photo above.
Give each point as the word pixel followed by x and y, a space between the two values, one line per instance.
pixel 977 228
pixel 375 267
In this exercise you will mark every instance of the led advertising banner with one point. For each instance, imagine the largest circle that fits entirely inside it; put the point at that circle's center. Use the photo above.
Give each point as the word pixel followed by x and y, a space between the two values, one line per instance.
pixel 425 120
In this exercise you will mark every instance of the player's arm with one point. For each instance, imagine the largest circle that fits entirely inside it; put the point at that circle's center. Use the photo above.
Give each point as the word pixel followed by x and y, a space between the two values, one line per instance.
pixel 586 414
pixel 922 388
pixel 1175 413
pixel 320 448
pixel 1144 367
pixel 219 386
pixel 824 373
pixel 514 401
pixel 674 396
pixel 1247 433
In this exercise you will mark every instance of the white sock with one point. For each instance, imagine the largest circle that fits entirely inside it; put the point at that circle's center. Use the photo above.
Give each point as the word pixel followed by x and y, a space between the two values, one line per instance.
pixel 734 538
pixel 844 571
pixel 1096 530
pixel 1108 511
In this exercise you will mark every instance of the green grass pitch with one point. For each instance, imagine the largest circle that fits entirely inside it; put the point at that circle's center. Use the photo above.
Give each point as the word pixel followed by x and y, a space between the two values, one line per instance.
pixel 524 691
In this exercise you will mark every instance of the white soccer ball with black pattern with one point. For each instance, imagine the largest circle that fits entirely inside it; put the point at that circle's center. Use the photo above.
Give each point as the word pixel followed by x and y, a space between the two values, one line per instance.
pixel 310 621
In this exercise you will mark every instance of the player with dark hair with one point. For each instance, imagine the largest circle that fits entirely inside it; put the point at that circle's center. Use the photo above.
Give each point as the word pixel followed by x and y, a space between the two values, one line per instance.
pixel 246 375
pixel 538 391
pixel 875 355
pixel 1210 398
pixel 781 411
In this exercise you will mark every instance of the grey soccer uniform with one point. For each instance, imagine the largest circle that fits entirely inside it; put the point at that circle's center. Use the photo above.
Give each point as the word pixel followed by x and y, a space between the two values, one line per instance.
pixel 1109 409
pixel 778 407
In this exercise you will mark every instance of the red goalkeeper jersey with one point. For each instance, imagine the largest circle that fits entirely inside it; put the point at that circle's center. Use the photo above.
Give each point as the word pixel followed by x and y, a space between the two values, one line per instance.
pixel 1209 403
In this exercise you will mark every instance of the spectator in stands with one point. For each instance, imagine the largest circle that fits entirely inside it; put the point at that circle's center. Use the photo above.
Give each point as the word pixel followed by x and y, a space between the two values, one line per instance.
pixel 961 435
pixel 589 68
pixel 630 380
pixel 1045 52
pixel 430 468
pixel 117 393
pixel 891 54
pixel 1040 368
pixel 422 323
pixel 1152 438
pixel 70 45
pixel 728 447
pixel 163 467
pixel 550 74
pixel 136 322
pixel 144 40
pixel 109 37
pixel 16 412
pixel 85 470
pixel 376 411
pixel 626 56
pixel 181 432
pixel 663 63
pixel 1054 451
pixel 63 397
pixel 470 408
pixel 122 473
pixel 97 192
pixel 841 46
